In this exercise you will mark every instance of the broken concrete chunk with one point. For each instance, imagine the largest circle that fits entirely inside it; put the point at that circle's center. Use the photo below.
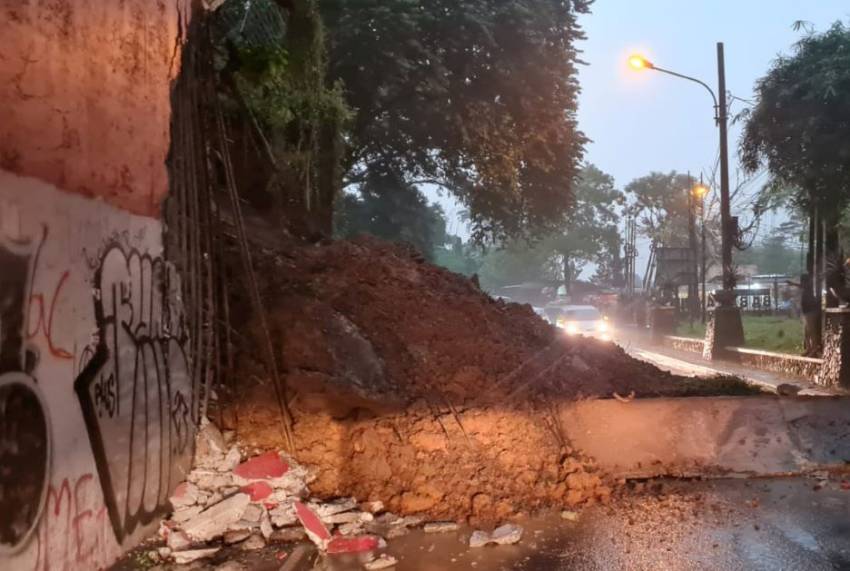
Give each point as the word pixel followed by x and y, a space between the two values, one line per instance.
pixel 185 514
pixel 253 513
pixel 209 445
pixel 236 535
pixel 441 527
pixel 253 543
pixel 325 509
pixel 178 540
pixel 288 535
pixel 507 534
pixel 340 544
pixel 263 467
pixel 283 515
pixel 215 520
pixel 479 539
pixel 231 460
pixel 316 530
pixel 258 490
pixel 375 507
pixel 185 557
pixel 348 517
pixel 385 561
pixel 354 528
pixel 266 525
pixel 397 531
pixel 210 479
pixel 231 566
pixel 569 515
pixel 186 494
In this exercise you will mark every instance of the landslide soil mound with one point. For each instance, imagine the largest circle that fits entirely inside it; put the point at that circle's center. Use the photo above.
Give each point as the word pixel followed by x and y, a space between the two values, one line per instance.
pixel 410 385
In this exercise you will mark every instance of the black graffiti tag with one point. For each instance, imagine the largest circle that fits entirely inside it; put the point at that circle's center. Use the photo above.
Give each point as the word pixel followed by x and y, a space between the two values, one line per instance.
pixel 135 388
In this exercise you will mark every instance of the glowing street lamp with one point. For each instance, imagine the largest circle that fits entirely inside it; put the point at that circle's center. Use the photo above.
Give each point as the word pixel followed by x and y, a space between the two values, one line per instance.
pixel 640 62
pixel 700 191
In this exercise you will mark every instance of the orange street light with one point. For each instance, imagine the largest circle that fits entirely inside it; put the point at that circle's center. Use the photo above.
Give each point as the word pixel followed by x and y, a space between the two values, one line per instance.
pixel 700 191
pixel 640 62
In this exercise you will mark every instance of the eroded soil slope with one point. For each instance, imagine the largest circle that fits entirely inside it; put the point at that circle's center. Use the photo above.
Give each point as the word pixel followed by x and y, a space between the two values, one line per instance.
pixel 410 385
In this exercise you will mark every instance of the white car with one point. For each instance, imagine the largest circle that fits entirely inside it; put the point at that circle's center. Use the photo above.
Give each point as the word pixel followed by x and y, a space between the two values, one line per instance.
pixel 584 320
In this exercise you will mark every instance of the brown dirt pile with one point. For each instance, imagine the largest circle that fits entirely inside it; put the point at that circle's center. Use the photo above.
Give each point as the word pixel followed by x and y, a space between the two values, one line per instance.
pixel 412 386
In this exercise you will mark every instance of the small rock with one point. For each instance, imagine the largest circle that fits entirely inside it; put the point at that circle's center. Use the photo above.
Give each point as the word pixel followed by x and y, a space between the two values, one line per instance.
pixel 507 534
pixel 253 543
pixel 185 557
pixel 375 507
pixel 288 535
pixel 236 535
pixel 385 561
pixel 479 539
pixel 788 390
pixel 283 515
pixel 231 566
pixel 441 527
pixel 398 531
pixel 266 527
pixel 569 515
pixel 353 528
pixel 164 552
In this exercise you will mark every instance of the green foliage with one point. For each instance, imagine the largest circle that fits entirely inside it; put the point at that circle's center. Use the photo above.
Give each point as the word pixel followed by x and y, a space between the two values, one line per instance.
pixel 661 200
pixel 390 208
pixel 769 333
pixel 458 257
pixel 478 96
pixel 800 126
pixel 778 253
pixel 589 235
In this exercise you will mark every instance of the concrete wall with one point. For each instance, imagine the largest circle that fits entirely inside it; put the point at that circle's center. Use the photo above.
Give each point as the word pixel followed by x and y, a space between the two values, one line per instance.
pixel 97 403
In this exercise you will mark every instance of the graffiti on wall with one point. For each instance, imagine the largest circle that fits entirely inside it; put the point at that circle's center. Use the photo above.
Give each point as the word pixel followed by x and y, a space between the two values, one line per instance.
pixel 135 385
pixel 24 428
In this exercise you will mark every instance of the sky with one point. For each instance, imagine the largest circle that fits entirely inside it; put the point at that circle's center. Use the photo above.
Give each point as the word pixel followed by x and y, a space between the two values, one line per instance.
pixel 641 122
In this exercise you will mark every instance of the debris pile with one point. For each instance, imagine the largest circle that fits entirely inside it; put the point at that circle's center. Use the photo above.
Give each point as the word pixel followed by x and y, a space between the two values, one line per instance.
pixel 249 503
pixel 409 384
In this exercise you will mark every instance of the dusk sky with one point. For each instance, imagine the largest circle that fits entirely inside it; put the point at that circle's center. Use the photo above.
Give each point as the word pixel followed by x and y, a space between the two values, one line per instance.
pixel 647 121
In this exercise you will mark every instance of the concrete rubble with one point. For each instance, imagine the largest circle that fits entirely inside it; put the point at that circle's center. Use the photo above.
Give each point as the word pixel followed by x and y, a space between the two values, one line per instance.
pixel 247 503
pixel 507 534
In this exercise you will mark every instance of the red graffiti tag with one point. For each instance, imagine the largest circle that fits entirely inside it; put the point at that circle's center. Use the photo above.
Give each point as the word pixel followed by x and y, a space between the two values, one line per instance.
pixel 36 300
pixel 46 325
pixel 74 532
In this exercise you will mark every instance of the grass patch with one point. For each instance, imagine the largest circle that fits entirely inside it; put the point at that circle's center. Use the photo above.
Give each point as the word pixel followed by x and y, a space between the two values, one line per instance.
pixel 780 334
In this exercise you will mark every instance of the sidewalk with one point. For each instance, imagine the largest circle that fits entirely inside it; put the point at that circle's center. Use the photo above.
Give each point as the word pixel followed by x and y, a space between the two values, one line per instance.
pixel 637 344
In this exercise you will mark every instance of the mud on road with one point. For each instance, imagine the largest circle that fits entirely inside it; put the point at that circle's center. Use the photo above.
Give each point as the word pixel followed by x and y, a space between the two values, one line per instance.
pixel 410 385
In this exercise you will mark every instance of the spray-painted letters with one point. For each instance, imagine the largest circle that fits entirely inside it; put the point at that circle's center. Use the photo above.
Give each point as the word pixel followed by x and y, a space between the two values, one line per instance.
pixel 136 390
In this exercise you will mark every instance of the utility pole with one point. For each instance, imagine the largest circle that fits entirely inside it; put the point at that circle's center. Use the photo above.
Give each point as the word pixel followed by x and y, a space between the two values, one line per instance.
pixel 726 223
pixel 692 249
pixel 702 220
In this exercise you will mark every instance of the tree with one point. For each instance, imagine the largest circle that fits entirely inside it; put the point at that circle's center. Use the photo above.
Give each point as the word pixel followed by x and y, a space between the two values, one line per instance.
pixel 800 129
pixel 776 253
pixel 477 96
pixel 390 208
pixel 589 235
pixel 661 200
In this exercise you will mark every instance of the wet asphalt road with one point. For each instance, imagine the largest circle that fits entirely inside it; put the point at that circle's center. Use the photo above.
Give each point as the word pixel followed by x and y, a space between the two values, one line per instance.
pixel 698 525
pixel 798 524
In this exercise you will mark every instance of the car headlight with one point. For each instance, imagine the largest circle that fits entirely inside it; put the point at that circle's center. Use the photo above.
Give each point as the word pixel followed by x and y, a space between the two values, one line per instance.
pixel 571 328
pixel 602 326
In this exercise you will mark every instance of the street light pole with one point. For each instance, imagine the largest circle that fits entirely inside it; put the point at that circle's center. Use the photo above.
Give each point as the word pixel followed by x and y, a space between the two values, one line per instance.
pixel 727 230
